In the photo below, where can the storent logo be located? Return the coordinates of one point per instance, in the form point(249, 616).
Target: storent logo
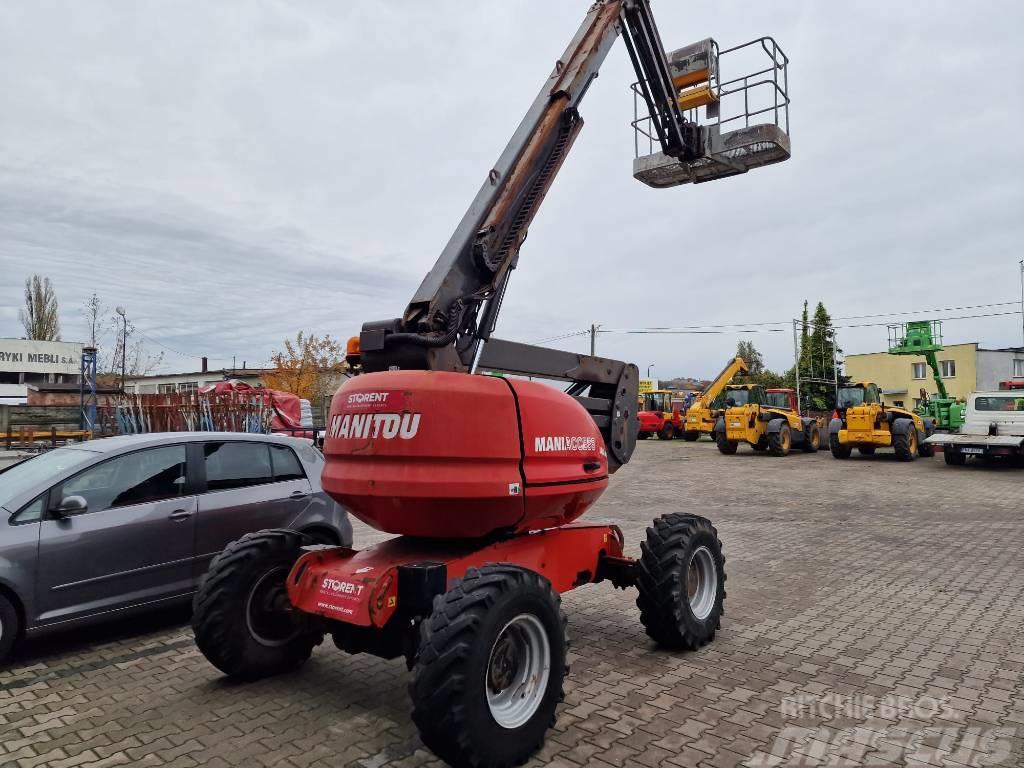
point(358, 398)
point(382, 425)
point(341, 587)
point(579, 443)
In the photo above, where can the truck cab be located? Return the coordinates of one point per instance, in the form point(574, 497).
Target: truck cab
point(750, 418)
point(993, 428)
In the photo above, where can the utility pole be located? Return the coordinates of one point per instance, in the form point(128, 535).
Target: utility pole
point(1022, 298)
point(124, 344)
point(593, 338)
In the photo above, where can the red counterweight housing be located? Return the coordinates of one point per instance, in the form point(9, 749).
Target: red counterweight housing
point(450, 455)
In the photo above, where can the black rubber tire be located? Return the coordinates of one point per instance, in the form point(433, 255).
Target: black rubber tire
point(905, 444)
point(839, 451)
point(642, 435)
point(449, 678)
point(726, 446)
point(667, 431)
point(691, 435)
point(812, 440)
point(866, 450)
point(780, 442)
point(662, 581)
point(954, 458)
point(10, 627)
point(220, 611)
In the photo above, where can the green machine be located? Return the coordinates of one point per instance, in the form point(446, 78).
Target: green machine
point(924, 338)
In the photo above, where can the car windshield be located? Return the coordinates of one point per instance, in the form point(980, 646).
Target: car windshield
point(1001, 403)
point(850, 397)
point(735, 397)
point(39, 471)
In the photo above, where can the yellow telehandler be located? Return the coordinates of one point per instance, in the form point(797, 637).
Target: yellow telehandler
point(748, 418)
point(863, 422)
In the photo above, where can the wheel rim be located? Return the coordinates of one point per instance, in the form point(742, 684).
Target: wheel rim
point(517, 671)
point(268, 612)
point(702, 583)
point(785, 439)
point(815, 439)
point(912, 442)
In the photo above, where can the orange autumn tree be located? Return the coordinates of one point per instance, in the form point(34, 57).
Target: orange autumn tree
point(308, 367)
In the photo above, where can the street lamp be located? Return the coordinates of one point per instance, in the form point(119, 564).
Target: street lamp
point(124, 343)
point(649, 370)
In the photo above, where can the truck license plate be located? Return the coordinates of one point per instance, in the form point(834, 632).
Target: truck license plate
point(972, 450)
point(734, 423)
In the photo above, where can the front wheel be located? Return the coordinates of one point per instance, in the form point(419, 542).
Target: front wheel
point(953, 457)
point(780, 442)
point(905, 444)
point(839, 451)
point(812, 440)
point(667, 432)
point(725, 445)
point(691, 435)
point(243, 621)
point(9, 627)
point(681, 581)
point(490, 667)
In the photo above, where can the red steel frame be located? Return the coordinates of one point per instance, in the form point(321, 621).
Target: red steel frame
point(360, 587)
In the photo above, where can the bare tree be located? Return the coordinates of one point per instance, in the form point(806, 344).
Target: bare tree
point(93, 311)
point(39, 317)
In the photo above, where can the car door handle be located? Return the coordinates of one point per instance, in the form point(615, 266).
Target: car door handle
point(179, 514)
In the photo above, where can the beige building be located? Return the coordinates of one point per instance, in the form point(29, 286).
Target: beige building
point(965, 368)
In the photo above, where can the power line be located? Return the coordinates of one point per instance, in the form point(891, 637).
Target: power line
point(748, 327)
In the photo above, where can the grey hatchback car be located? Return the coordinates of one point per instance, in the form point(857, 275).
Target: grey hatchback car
point(99, 529)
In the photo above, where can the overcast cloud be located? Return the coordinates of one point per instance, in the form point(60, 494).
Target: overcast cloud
point(234, 172)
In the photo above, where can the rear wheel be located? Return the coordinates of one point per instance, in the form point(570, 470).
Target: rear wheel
point(9, 627)
point(866, 450)
point(839, 451)
point(812, 439)
point(953, 457)
point(725, 445)
point(780, 442)
point(905, 444)
point(490, 667)
point(667, 431)
point(681, 581)
point(691, 435)
point(243, 621)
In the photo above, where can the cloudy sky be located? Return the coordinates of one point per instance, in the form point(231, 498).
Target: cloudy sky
point(234, 172)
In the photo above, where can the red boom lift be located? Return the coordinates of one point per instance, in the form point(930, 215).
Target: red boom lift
point(484, 477)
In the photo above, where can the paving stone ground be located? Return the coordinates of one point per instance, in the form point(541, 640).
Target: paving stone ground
point(875, 616)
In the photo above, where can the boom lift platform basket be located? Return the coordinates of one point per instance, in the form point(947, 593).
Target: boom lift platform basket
point(746, 118)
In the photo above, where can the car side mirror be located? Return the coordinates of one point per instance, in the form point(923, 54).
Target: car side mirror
point(70, 505)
